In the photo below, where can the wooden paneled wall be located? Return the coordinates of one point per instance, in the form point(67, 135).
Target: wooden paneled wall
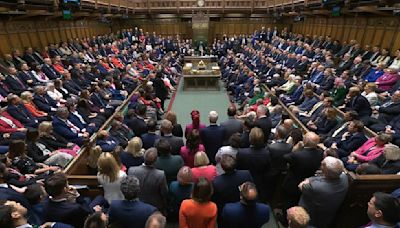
point(40, 33)
point(382, 31)
point(228, 26)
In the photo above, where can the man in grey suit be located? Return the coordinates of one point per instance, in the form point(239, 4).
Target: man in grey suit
point(323, 195)
point(175, 142)
point(232, 125)
point(153, 183)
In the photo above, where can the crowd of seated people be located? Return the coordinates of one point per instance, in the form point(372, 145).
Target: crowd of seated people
point(334, 91)
point(225, 173)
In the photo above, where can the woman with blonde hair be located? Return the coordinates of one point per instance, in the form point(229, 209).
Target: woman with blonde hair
point(177, 128)
point(94, 154)
point(389, 161)
point(370, 94)
point(27, 101)
point(133, 154)
point(53, 140)
point(110, 176)
point(202, 167)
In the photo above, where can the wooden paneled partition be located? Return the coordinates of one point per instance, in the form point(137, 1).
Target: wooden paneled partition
point(382, 31)
point(39, 33)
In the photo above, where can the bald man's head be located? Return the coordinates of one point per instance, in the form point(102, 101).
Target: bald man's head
point(311, 139)
point(248, 193)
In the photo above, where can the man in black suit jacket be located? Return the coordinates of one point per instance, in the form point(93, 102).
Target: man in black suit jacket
point(130, 212)
point(149, 139)
point(226, 185)
point(277, 150)
point(6, 192)
point(43, 101)
point(17, 110)
point(303, 164)
point(49, 70)
point(263, 121)
point(358, 103)
point(232, 125)
point(137, 123)
point(60, 208)
point(26, 76)
point(160, 89)
point(14, 84)
point(175, 142)
point(212, 136)
point(353, 139)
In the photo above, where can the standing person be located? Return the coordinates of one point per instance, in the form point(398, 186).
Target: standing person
point(160, 89)
point(153, 182)
point(110, 176)
point(257, 160)
point(212, 136)
point(247, 212)
point(193, 146)
point(263, 121)
point(323, 195)
point(130, 212)
point(195, 115)
point(179, 190)
point(232, 125)
point(177, 128)
point(199, 212)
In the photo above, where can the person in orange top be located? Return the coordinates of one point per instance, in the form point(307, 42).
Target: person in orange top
point(27, 100)
point(116, 62)
point(199, 212)
point(58, 66)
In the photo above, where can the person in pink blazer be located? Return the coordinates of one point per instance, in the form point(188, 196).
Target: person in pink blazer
point(388, 79)
point(195, 114)
point(370, 150)
point(192, 147)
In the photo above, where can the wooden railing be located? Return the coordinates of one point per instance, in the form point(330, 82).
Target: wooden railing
point(77, 170)
point(361, 187)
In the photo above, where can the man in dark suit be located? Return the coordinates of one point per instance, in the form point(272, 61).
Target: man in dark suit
point(17, 110)
point(232, 125)
point(130, 212)
point(43, 101)
point(212, 136)
point(137, 123)
point(70, 85)
point(303, 164)
point(68, 130)
point(175, 142)
point(277, 150)
point(345, 64)
point(14, 84)
point(323, 195)
point(358, 103)
point(49, 70)
point(64, 206)
point(153, 183)
point(387, 111)
point(247, 212)
point(160, 89)
point(353, 139)
point(226, 185)
point(150, 137)
point(263, 121)
point(26, 76)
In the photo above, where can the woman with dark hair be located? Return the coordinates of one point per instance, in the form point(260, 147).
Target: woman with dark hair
point(296, 139)
point(193, 145)
point(195, 115)
point(39, 152)
point(199, 212)
point(256, 159)
point(25, 164)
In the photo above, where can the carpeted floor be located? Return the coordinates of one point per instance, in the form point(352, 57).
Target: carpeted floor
point(183, 102)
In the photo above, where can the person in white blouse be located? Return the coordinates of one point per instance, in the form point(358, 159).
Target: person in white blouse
point(109, 176)
point(54, 93)
point(370, 94)
point(39, 74)
point(396, 60)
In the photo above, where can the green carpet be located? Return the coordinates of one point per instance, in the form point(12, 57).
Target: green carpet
point(202, 100)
